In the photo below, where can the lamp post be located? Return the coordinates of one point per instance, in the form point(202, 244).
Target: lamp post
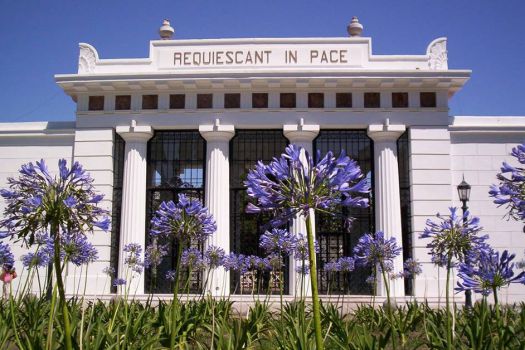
point(464, 195)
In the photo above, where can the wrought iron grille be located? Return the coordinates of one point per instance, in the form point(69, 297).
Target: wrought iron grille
point(119, 146)
point(176, 164)
point(334, 239)
point(403, 156)
point(246, 149)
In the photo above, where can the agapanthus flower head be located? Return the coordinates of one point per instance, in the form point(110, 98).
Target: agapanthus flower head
point(345, 264)
point(235, 262)
point(302, 269)
point(154, 254)
point(278, 241)
point(119, 282)
point(6, 256)
point(411, 268)
point(301, 247)
point(187, 220)
point(215, 256)
point(192, 259)
point(375, 250)
point(275, 262)
point(110, 271)
point(39, 258)
point(133, 257)
point(331, 267)
point(76, 248)
point(35, 199)
point(510, 192)
point(491, 272)
point(292, 184)
point(171, 275)
point(452, 236)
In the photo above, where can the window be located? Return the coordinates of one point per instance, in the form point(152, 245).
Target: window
point(204, 101)
point(343, 100)
point(175, 164)
point(403, 156)
point(372, 100)
point(315, 100)
point(246, 148)
point(177, 101)
point(96, 103)
point(150, 101)
point(123, 102)
point(118, 176)
point(259, 100)
point(334, 239)
point(232, 100)
point(287, 100)
point(400, 99)
point(427, 99)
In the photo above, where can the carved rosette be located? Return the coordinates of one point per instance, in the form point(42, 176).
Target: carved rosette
point(87, 59)
point(437, 54)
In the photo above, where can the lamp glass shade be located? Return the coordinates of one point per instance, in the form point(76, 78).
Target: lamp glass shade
point(464, 191)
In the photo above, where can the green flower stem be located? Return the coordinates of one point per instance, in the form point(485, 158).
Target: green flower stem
point(13, 319)
point(313, 278)
point(175, 297)
point(389, 305)
point(49, 341)
point(496, 304)
point(447, 297)
point(61, 292)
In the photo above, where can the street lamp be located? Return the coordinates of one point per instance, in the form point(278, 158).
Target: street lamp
point(464, 195)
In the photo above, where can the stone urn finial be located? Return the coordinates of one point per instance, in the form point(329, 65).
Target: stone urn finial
point(166, 31)
point(354, 28)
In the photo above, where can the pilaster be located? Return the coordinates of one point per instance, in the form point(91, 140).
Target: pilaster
point(133, 219)
point(217, 196)
point(301, 135)
point(386, 192)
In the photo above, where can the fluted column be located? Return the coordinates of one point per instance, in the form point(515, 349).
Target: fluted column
point(386, 192)
point(302, 136)
point(217, 196)
point(133, 217)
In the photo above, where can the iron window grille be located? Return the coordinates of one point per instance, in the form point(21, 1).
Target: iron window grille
point(175, 164)
point(246, 149)
point(119, 146)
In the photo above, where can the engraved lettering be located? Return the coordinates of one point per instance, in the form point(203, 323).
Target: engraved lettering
point(313, 54)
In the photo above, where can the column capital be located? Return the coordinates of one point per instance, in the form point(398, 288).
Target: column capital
point(297, 133)
point(217, 132)
point(134, 132)
point(385, 132)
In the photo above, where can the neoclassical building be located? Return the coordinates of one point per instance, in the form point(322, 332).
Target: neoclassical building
point(195, 115)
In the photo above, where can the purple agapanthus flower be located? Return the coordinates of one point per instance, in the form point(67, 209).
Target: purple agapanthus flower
point(154, 254)
point(289, 186)
point(278, 241)
point(452, 237)
point(376, 251)
point(77, 249)
point(235, 262)
point(511, 189)
point(110, 271)
point(6, 256)
point(491, 272)
point(301, 247)
point(192, 259)
point(331, 267)
point(214, 256)
point(35, 199)
point(187, 220)
point(302, 269)
point(411, 268)
point(39, 258)
point(133, 258)
point(345, 264)
point(119, 282)
point(171, 275)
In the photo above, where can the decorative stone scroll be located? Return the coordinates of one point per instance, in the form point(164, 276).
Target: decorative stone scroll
point(437, 53)
point(87, 59)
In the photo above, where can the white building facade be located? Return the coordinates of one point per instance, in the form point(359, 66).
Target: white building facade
point(195, 115)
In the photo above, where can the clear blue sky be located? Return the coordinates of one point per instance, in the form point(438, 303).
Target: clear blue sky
point(40, 38)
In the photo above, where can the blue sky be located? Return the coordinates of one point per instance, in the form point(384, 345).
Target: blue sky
point(40, 38)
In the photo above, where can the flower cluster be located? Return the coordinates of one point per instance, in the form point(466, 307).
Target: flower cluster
point(511, 189)
point(154, 255)
point(77, 249)
point(278, 241)
point(186, 221)
point(490, 273)
point(452, 236)
point(214, 256)
point(289, 186)
point(301, 247)
point(36, 199)
point(411, 268)
point(133, 257)
point(343, 264)
point(375, 250)
point(193, 260)
point(7, 258)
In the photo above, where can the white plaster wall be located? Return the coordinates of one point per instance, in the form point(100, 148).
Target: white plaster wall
point(478, 155)
point(21, 143)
